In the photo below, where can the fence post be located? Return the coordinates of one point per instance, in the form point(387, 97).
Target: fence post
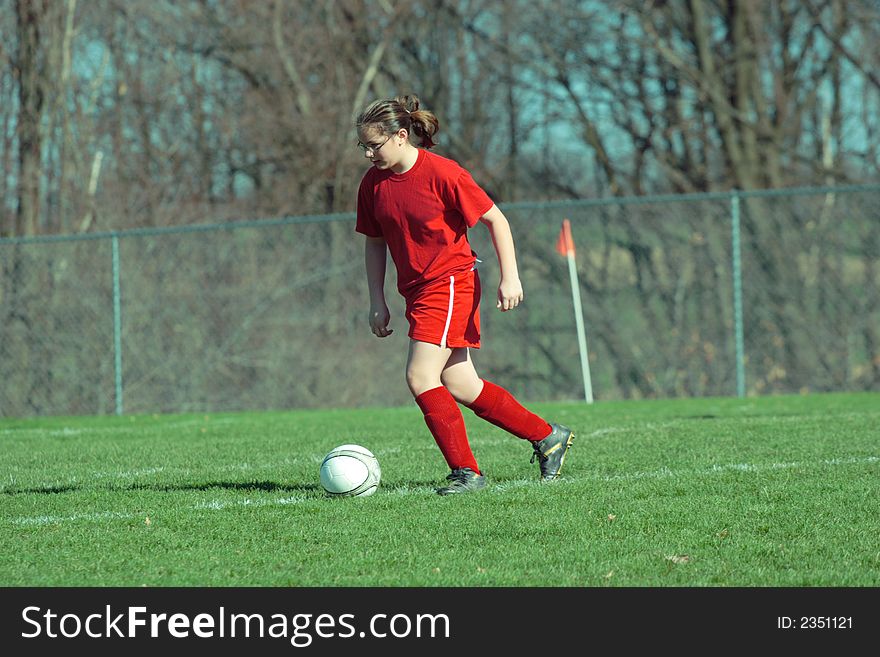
point(737, 296)
point(117, 324)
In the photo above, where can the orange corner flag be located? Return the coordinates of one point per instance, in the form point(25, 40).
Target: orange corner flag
point(565, 242)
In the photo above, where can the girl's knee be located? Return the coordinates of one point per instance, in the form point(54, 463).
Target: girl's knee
point(463, 389)
point(449, 383)
point(420, 381)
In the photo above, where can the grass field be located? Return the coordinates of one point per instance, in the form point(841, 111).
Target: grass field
point(780, 491)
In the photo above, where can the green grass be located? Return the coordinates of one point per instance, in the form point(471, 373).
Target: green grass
point(779, 491)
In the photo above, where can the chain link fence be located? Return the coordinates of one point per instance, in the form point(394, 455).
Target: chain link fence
point(700, 295)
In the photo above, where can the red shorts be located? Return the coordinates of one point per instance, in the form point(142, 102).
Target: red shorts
point(447, 312)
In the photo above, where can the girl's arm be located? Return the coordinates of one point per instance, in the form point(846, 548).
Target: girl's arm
point(375, 258)
point(510, 292)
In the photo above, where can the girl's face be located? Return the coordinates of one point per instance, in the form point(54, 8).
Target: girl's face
point(384, 151)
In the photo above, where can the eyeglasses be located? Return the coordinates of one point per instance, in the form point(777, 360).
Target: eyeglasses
point(373, 149)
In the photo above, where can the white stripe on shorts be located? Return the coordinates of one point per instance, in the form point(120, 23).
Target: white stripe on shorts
point(448, 312)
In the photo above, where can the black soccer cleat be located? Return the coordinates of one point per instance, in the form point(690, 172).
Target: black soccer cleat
point(462, 480)
point(551, 451)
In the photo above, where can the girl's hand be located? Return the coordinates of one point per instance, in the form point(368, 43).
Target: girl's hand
point(379, 318)
point(510, 294)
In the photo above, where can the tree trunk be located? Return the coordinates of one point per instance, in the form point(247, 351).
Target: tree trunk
point(31, 85)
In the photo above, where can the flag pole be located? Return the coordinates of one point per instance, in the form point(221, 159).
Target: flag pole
point(566, 245)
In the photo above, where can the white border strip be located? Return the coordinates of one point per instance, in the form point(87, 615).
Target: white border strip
point(448, 312)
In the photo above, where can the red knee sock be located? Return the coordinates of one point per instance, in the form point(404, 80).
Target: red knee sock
point(494, 404)
point(446, 424)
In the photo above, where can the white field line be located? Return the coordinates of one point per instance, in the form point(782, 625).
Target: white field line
point(240, 467)
point(63, 432)
point(41, 432)
point(666, 473)
point(11, 481)
point(661, 473)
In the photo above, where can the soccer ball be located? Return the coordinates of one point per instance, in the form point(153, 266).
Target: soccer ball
point(350, 471)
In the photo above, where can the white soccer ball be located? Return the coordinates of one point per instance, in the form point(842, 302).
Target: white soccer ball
point(350, 471)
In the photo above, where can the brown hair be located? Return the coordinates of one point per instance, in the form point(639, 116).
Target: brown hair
point(389, 116)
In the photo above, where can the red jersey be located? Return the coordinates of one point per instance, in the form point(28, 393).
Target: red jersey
point(423, 215)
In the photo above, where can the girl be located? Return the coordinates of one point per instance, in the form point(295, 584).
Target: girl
point(419, 206)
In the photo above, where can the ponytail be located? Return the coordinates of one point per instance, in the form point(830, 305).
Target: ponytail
point(423, 123)
point(401, 112)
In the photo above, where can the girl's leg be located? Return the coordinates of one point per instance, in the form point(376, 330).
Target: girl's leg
point(489, 401)
point(550, 442)
point(424, 367)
